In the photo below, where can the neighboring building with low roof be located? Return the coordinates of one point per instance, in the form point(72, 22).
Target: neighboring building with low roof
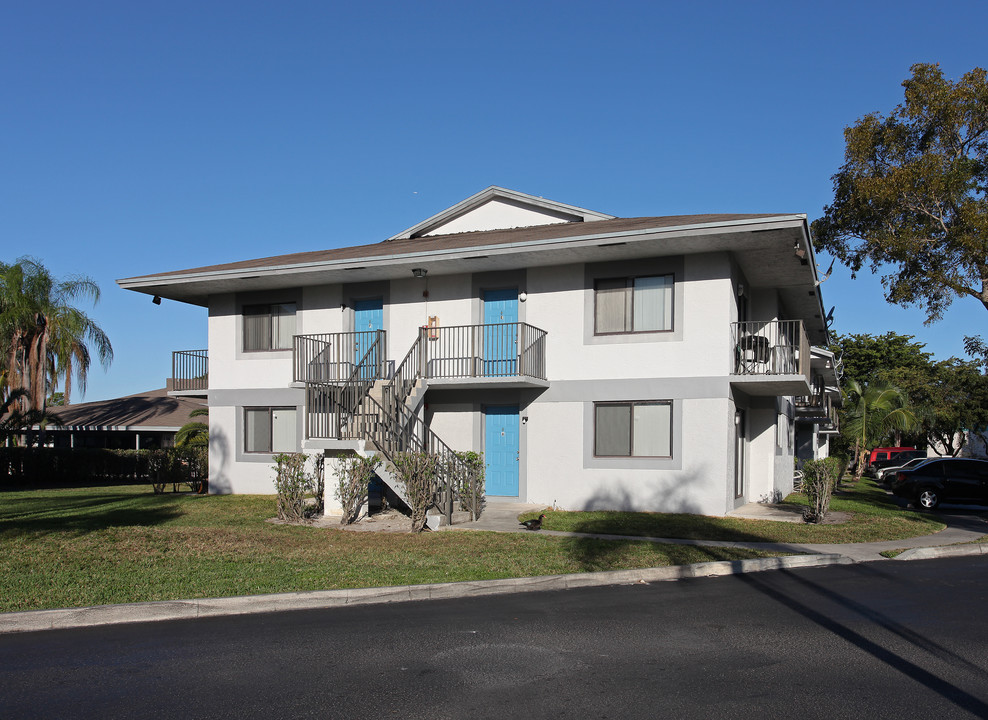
point(140, 421)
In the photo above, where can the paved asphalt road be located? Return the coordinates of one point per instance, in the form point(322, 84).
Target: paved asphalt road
point(875, 640)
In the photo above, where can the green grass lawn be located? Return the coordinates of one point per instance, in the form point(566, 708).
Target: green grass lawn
point(91, 546)
point(874, 516)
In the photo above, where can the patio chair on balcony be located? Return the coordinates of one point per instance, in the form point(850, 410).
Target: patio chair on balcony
point(753, 355)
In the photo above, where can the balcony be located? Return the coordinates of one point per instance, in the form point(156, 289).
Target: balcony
point(771, 358)
point(504, 354)
point(190, 373)
point(818, 409)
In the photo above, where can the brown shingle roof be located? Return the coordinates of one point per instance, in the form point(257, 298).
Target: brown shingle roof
point(470, 239)
point(148, 409)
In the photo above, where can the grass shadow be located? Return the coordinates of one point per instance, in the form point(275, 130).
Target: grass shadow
point(874, 516)
point(37, 512)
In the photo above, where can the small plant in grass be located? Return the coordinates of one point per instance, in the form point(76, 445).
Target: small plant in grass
point(295, 487)
point(419, 472)
point(819, 480)
point(353, 476)
point(471, 484)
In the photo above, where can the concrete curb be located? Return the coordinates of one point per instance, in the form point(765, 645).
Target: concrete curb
point(323, 599)
point(943, 551)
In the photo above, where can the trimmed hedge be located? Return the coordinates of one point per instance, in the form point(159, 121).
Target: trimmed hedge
point(44, 466)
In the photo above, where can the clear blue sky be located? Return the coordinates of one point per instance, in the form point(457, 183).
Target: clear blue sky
point(139, 137)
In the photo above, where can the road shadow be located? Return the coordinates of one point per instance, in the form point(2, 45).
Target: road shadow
point(943, 687)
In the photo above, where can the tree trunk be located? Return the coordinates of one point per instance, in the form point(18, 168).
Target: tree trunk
point(859, 471)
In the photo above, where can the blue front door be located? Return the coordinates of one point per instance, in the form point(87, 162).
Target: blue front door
point(501, 450)
point(500, 332)
point(368, 316)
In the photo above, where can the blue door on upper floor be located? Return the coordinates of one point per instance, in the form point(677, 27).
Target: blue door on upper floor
point(501, 450)
point(368, 316)
point(501, 332)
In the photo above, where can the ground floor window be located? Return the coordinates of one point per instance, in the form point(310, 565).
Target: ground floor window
point(633, 429)
point(270, 430)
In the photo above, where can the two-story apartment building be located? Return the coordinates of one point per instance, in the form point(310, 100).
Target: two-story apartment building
point(598, 362)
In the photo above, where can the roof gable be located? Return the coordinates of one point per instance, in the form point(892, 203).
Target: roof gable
point(498, 208)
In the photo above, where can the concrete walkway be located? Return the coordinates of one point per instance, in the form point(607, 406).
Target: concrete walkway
point(961, 528)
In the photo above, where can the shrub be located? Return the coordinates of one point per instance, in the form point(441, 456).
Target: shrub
point(820, 477)
point(295, 487)
point(176, 466)
point(353, 476)
point(472, 482)
point(419, 472)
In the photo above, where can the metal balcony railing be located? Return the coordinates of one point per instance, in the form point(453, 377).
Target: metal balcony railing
point(483, 351)
point(190, 370)
point(332, 357)
point(770, 347)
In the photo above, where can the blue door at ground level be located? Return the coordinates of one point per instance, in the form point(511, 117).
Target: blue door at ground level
point(500, 332)
point(368, 316)
point(501, 450)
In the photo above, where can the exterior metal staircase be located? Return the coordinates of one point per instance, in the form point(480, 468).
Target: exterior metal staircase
point(386, 417)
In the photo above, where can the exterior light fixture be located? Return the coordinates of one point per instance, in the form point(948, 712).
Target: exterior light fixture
point(522, 296)
point(156, 300)
point(419, 272)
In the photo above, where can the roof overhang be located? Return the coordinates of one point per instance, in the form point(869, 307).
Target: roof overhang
point(772, 251)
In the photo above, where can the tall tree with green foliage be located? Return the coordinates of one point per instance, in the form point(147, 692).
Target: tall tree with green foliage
point(44, 338)
point(954, 401)
point(947, 397)
point(911, 198)
point(890, 357)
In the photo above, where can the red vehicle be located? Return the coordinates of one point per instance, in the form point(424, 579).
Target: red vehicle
point(884, 456)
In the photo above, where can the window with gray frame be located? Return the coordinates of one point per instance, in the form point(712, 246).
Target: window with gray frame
point(633, 429)
point(633, 304)
point(270, 430)
point(269, 327)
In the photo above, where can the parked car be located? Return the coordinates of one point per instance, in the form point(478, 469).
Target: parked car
point(956, 480)
point(883, 457)
point(885, 475)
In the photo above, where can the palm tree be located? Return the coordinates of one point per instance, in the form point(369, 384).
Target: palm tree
point(14, 421)
point(193, 434)
point(872, 413)
point(43, 335)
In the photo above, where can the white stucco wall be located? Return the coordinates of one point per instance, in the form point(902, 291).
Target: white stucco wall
point(498, 214)
point(689, 366)
point(562, 473)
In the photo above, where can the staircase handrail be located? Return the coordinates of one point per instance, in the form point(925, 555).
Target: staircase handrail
point(399, 387)
point(358, 385)
point(404, 430)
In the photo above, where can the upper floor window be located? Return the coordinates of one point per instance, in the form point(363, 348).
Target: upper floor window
point(269, 327)
point(633, 304)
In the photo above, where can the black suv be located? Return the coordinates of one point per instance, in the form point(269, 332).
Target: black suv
point(956, 480)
